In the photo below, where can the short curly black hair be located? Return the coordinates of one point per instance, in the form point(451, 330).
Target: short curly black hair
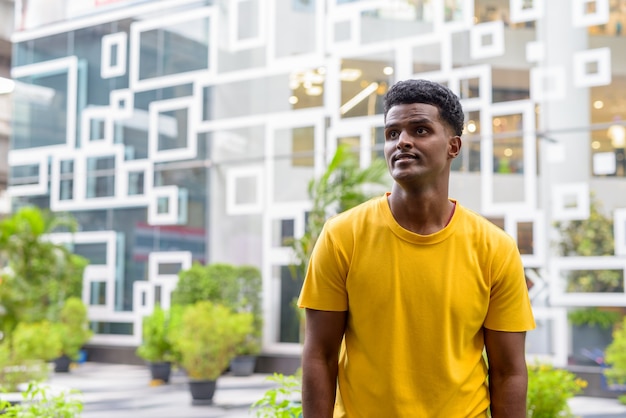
point(427, 92)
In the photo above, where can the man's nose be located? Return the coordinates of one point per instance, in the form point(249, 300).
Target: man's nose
point(404, 141)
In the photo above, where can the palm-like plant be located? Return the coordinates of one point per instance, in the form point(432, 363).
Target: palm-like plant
point(39, 275)
point(342, 186)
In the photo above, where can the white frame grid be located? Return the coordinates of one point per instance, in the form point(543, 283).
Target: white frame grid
point(328, 53)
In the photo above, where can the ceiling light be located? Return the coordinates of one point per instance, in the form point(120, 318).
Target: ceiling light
point(350, 74)
point(471, 126)
point(314, 91)
point(508, 152)
point(293, 100)
point(358, 98)
point(598, 104)
point(388, 70)
point(595, 145)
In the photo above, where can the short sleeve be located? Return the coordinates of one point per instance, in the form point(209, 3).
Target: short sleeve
point(324, 286)
point(509, 303)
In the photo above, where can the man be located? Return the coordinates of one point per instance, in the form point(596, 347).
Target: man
point(404, 292)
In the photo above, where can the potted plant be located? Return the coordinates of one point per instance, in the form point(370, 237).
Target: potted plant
point(207, 340)
point(235, 287)
point(24, 356)
point(156, 347)
point(73, 331)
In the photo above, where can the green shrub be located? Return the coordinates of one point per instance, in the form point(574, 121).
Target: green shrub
point(207, 338)
point(41, 401)
point(615, 356)
point(283, 401)
point(155, 344)
point(594, 317)
point(36, 341)
point(549, 389)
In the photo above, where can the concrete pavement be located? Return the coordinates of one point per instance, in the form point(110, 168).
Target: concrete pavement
point(124, 391)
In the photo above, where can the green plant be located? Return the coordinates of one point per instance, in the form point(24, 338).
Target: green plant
point(236, 287)
point(207, 338)
point(36, 341)
point(283, 401)
point(15, 371)
point(342, 186)
point(594, 317)
point(73, 327)
point(41, 274)
point(42, 401)
point(615, 356)
point(155, 344)
point(590, 237)
point(549, 389)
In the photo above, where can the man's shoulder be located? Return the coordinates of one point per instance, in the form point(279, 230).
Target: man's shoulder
point(359, 212)
point(480, 224)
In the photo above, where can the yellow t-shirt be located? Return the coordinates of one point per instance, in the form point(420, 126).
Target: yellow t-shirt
point(417, 305)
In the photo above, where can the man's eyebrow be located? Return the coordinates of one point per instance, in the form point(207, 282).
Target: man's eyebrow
point(420, 121)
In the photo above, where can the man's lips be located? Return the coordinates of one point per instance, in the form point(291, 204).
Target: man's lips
point(405, 157)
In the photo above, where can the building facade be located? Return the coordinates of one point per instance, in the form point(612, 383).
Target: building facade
point(178, 131)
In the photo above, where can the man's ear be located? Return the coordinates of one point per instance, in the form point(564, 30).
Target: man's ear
point(454, 146)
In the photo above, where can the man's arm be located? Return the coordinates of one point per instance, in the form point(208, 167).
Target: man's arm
point(508, 375)
point(322, 339)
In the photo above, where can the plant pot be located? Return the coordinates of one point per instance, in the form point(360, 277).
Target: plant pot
point(161, 371)
point(202, 391)
point(243, 365)
point(62, 364)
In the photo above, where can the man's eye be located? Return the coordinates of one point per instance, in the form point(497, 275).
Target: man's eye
point(392, 135)
point(421, 131)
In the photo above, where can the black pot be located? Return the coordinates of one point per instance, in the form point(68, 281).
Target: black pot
point(62, 364)
point(161, 371)
point(202, 391)
point(243, 365)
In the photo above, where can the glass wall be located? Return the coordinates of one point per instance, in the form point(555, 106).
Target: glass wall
point(193, 138)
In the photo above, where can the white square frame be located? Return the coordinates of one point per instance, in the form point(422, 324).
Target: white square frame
point(559, 340)
point(581, 19)
point(177, 205)
point(27, 157)
point(236, 44)
point(496, 48)
point(535, 51)
point(528, 204)
point(108, 69)
point(513, 218)
point(520, 15)
point(558, 295)
point(581, 193)
point(602, 58)
point(233, 175)
point(541, 77)
point(138, 27)
point(155, 109)
point(67, 65)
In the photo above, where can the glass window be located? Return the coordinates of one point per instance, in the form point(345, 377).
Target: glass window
point(293, 165)
point(100, 177)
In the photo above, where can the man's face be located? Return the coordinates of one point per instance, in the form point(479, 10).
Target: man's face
point(418, 145)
